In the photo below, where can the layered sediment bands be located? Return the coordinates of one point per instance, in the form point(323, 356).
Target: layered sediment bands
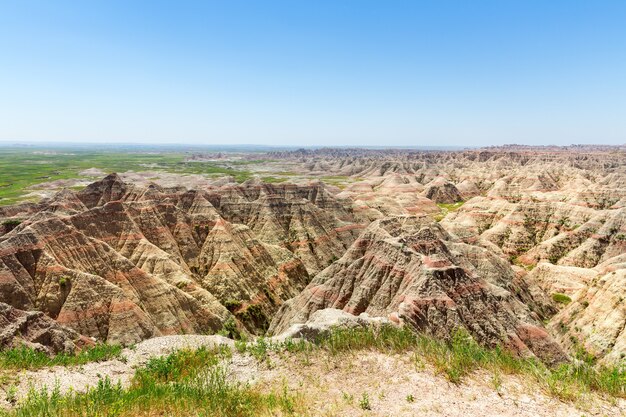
point(126, 260)
point(85, 284)
point(122, 263)
point(410, 268)
point(595, 320)
point(36, 330)
point(392, 195)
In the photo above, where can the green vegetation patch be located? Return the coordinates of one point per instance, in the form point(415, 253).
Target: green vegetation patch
point(447, 208)
point(184, 383)
point(21, 169)
point(450, 206)
point(459, 357)
point(339, 181)
point(12, 222)
point(28, 358)
point(561, 298)
point(272, 180)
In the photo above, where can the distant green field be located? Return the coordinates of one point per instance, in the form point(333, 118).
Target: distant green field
point(20, 168)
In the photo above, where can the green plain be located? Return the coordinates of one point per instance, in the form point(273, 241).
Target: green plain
point(22, 168)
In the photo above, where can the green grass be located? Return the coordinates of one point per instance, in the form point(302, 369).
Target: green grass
point(12, 222)
point(185, 383)
point(273, 180)
point(447, 208)
point(561, 298)
point(21, 169)
point(27, 358)
point(459, 357)
point(339, 181)
point(450, 206)
point(195, 382)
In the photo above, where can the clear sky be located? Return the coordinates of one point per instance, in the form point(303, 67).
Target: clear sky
point(300, 72)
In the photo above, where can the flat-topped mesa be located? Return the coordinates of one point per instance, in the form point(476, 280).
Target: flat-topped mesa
point(409, 268)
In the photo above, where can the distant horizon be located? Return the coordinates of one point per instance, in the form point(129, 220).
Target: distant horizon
point(368, 73)
point(264, 146)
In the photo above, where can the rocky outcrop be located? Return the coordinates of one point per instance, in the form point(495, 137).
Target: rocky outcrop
point(322, 322)
point(442, 191)
point(595, 321)
point(36, 330)
point(408, 268)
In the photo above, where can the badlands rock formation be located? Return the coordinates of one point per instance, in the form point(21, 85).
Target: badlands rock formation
point(559, 210)
point(411, 269)
point(36, 330)
point(122, 263)
point(495, 240)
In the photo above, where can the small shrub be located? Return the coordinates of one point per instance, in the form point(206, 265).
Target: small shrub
point(410, 398)
point(232, 305)
point(230, 329)
point(254, 317)
point(348, 398)
point(259, 349)
point(12, 223)
point(364, 402)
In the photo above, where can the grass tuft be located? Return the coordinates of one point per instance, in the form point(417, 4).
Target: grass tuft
point(28, 358)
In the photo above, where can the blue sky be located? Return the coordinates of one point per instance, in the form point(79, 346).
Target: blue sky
point(316, 72)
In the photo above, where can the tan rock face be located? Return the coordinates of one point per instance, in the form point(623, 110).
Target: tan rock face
point(596, 318)
point(442, 191)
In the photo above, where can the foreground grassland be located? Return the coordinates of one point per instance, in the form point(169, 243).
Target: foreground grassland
point(461, 356)
point(181, 384)
point(20, 168)
point(25, 358)
point(197, 382)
